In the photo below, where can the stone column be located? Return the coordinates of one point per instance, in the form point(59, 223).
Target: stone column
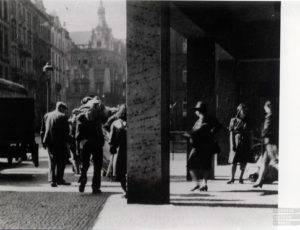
point(200, 78)
point(148, 102)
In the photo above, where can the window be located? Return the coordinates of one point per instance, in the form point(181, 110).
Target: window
point(6, 72)
point(29, 41)
point(184, 77)
point(1, 41)
point(13, 30)
point(99, 87)
point(5, 16)
point(99, 74)
point(184, 46)
point(98, 44)
point(184, 108)
point(1, 10)
point(76, 88)
point(29, 20)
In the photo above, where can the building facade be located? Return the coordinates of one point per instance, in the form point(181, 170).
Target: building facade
point(60, 59)
point(26, 46)
point(98, 65)
point(29, 38)
point(4, 39)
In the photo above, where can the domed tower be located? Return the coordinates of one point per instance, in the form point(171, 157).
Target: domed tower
point(102, 35)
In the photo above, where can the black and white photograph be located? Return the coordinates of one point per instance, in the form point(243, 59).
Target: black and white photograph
point(149, 115)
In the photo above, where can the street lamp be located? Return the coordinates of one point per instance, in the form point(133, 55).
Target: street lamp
point(46, 69)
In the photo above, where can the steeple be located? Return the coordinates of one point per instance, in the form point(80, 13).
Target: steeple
point(101, 15)
point(101, 35)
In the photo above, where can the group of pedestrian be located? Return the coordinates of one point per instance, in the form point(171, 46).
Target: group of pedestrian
point(204, 145)
point(81, 138)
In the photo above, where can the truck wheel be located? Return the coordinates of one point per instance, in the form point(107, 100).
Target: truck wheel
point(9, 161)
point(35, 155)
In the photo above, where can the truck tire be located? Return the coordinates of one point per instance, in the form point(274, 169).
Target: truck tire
point(9, 160)
point(35, 155)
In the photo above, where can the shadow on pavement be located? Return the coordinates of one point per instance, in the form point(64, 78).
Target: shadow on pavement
point(191, 195)
point(226, 205)
point(199, 200)
point(264, 192)
point(16, 178)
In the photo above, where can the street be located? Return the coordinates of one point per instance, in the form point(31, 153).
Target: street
point(29, 202)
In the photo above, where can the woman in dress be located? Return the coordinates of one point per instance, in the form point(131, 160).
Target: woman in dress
point(202, 139)
point(240, 142)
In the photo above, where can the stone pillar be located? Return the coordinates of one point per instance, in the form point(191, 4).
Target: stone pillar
point(200, 78)
point(148, 102)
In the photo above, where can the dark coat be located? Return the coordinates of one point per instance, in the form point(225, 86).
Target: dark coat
point(55, 130)
point(118, 143)
point(89, 125)
point(241, 131)
point(202, 136)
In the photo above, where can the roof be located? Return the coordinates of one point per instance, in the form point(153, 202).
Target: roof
point(11, 86)
point(81, 37)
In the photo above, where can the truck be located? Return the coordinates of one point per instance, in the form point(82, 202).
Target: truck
point(17, 128)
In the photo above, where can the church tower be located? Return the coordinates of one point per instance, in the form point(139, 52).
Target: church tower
point(102, 35)
point(101, 15)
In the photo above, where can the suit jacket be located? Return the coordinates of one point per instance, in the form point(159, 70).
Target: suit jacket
point(55, 130)
point(270, 129)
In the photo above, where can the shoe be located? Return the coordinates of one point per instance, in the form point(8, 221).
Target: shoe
point(230, 181)
point(97, 191)
point(257, 185)
point(82, 182)
point(241, 181)
point(81, 187)
point(63, 183)
point(195, 188)
point(53, 184)
point(204, 188)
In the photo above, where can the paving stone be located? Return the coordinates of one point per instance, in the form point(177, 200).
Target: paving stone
point(47, 210)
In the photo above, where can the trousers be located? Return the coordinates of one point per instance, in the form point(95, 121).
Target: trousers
point(95, 151)
point(57, 164)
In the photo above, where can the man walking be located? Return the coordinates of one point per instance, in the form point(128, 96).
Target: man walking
point(270, 137)
point(90, 137)
point(55, 136)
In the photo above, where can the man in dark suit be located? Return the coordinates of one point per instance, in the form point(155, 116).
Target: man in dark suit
point(55, 136)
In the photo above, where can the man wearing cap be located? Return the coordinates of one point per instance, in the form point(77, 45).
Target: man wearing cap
point(55, 136)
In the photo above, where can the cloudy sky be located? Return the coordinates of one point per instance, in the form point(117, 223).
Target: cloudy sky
point(81, 15)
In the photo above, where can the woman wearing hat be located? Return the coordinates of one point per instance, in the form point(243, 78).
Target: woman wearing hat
point(240, 142)
point(202, 139)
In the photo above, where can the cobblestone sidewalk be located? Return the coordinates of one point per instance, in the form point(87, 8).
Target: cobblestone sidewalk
point(47, 210)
